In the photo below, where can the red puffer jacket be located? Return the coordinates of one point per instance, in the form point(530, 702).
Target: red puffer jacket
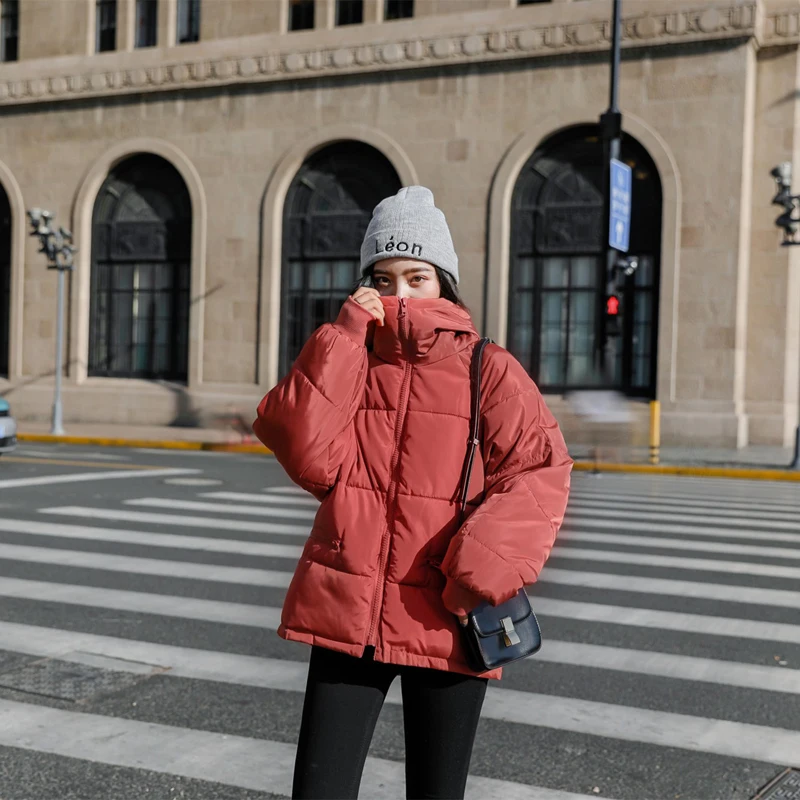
point(377, 431)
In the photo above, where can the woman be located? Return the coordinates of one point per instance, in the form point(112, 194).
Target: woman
point(373, 420)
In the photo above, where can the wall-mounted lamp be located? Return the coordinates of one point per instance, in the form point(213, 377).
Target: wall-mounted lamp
point(789, 221)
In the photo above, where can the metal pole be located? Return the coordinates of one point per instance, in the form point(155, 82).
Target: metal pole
point(616, 55)
point(57, 428)
point(57, 246)
point(611, 132)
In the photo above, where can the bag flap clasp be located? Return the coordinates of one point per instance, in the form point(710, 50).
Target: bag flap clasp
point(510, 636)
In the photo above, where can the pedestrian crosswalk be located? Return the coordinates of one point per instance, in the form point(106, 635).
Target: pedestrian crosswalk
point(669, 610)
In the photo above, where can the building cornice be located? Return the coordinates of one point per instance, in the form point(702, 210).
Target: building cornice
point(462, 39)
point(781, 25)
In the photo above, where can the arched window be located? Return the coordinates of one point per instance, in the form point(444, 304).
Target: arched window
point(327, 210)
point(141, 251)
point(5, 280)
point(558, 265)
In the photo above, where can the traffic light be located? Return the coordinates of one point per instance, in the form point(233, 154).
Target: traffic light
point(613, 314)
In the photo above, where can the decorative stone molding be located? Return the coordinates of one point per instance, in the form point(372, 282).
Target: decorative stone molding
point(781, 27)
point(31, 82)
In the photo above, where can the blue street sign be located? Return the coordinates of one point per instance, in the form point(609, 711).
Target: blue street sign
point(619, 229)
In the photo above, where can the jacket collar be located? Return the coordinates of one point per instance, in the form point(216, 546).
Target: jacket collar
point(422, 330)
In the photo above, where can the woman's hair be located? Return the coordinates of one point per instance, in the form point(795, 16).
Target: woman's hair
point(448, 289)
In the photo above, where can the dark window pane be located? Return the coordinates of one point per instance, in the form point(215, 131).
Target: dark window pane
point(531, 2)
point(9, 29)
point(106, 25)
point(188, 21)
point(584, 271)
point(146, 23)
point(139, 290)
point(555, 272)
point(301, 15)
point(398, 9)
point(349, 12)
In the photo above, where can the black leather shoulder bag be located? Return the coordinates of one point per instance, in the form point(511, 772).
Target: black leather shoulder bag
point(494, 635)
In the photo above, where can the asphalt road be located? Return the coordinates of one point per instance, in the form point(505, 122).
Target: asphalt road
point(140, 589)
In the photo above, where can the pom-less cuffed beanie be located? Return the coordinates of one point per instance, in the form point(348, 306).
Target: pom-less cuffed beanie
point(408, 225)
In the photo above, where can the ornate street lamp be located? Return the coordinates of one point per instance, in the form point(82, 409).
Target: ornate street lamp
point(57, 246)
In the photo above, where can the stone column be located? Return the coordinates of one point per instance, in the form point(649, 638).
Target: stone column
point(773, 344)
point(373, 10)
point(712, 131)
point(126, 24)
point(325, 14)
point(167, 23)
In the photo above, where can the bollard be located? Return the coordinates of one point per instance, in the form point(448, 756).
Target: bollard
point(796, 461)
point(655, 431)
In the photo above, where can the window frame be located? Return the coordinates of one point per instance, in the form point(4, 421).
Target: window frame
point(6, 223)
point(141, 227)
point(533, 240)
point(343, 180)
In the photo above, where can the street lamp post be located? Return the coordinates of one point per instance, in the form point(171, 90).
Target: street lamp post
point(789, 223)
point(57, 246)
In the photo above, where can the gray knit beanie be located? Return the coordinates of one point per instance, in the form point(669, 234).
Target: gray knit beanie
point(408, 225)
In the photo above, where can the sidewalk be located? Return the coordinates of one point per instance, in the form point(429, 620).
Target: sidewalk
point(754, 456)
point(226, 439)
point(755, 463)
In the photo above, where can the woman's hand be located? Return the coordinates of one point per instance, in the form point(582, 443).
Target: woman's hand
point(371, 300)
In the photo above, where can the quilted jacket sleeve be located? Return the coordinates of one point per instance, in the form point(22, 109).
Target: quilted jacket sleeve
point(504, 544)
point(307, 419)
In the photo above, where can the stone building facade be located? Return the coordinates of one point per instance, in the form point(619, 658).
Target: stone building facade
point(217, 169)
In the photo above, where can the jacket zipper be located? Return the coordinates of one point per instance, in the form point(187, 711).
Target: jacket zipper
point(391, 494)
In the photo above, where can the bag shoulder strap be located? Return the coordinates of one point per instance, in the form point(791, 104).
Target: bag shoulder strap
point(474, 423)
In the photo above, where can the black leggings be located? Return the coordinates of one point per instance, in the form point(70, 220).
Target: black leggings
point(344, 696)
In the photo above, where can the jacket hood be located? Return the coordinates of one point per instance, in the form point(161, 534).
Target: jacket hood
point(422, 330)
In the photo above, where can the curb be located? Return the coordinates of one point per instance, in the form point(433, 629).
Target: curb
point(741, 473)
point(152, 444)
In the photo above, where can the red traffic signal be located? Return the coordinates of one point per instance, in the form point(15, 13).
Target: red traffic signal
point(612, 306)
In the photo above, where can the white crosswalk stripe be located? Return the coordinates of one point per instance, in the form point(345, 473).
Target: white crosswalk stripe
point(722, 543)
point(145, 566)
point(183, 521)
point(605, 508)
point(702, 564)
point(646, 516)
point(284, 499)
point(588, 521)
point(265, 617)
point(233, 760)
point(221, 508)
point(123, 536)
point(656, 542)
point(271, 673)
